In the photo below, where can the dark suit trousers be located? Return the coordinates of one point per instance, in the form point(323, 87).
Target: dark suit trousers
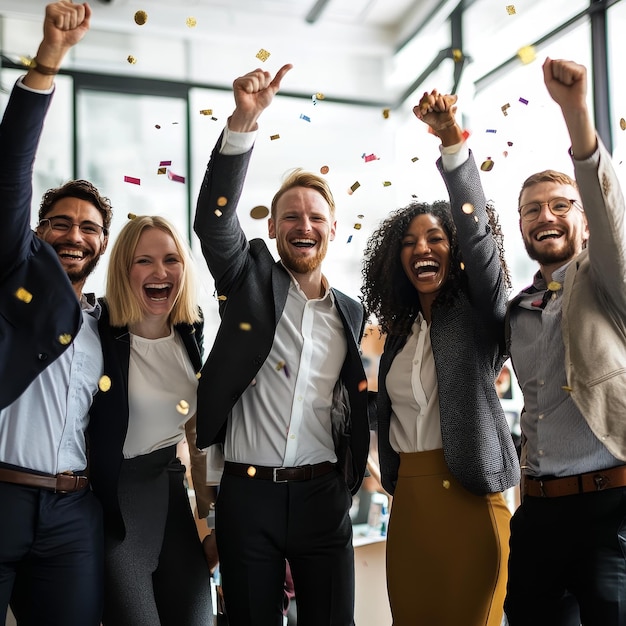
point(567, 563)
point(259, 524)
point(51, 556)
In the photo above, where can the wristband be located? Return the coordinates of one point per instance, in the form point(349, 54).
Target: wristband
point(42, 69)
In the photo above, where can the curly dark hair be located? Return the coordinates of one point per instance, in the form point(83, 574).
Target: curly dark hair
point(82, 189)
point(387, 292)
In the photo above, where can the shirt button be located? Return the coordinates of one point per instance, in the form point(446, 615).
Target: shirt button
point(540, 416)
point(292, 436)
point(42, 356)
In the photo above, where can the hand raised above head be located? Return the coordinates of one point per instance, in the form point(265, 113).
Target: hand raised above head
point(65, 24)
point(253, 93)
point(438, 111)
point(566, 82)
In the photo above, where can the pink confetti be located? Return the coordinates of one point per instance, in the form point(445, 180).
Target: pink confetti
point(132, 179)
point(175, 177)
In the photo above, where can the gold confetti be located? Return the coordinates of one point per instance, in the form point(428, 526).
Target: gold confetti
point(527, 54)
point(273, 137)
point(218, 213)
point(161, 170)
point(462, 266)
point(457, 55)
point(222, 298)
point(354, 187)
point(386, 183)
point(446, 484)
point(141, 17)
point(487, 165)
point(199, 375)
point(357, 226)
point(362, 385)
point(24, 295)
point(263, 55)
point(319, 96)
point(468, 208)
point(622, 124)
point(554, 285)
point(104, 384)
point(510, 9)
point(280, 365)
point(65, 339)
point(132, 216)
point(324, 169)
point(259, 212)
point(505, 107)
point(386, 113)
point(245, 326)
point(251, 471)
point(415, 159)
point(131, 59)
point(191, 22)
point(360, 216)
point(566, 388)
point(183, 407)
point(222, 201)
point(206, 111)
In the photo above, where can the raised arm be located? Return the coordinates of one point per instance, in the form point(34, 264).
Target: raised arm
point(224, 245)
point(479, 249)
point(65, 24)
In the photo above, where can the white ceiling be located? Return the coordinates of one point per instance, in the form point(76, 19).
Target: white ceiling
point(352, 43)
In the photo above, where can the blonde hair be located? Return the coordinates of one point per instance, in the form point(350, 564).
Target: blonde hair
point(301, 178)
point(124, 307)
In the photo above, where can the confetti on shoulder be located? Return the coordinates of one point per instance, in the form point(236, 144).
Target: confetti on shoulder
point(24, 295)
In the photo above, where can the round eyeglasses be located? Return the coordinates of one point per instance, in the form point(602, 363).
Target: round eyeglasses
point(558, 206)
point(60, 224)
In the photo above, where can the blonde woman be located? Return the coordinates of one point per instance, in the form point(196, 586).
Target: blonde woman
point(151, 333)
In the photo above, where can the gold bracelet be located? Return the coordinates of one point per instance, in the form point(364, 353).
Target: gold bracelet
point(42, 69)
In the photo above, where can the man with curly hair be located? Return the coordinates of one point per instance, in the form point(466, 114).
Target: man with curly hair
point(51, 361)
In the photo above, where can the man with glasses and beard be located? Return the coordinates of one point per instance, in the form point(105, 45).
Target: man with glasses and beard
point(283, 388)
point(51, 361)
point(568, 349)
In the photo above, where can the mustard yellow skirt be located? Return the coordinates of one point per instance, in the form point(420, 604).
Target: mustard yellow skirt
point(447, 549)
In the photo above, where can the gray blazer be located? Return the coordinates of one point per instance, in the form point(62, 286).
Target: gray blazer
point(467, 343)
point(256, 287)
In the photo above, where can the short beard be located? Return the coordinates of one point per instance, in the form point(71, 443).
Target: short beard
point(301, 265)
point(80, 276)
point(569, 251)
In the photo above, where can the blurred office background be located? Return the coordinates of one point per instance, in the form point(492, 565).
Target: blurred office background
point(132, 97)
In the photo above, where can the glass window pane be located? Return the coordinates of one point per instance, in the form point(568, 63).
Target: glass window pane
point(121, 135)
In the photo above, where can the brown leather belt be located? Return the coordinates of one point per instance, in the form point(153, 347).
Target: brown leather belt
point(279, 474)
point(571, 485)
point(61, 483)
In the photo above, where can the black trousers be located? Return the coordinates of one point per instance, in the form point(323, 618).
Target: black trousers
point(259, 524)
point(156, 575)
point(51, 556)
point(567, 564)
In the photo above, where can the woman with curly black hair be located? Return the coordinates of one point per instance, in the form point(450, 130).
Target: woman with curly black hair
point(435, 278)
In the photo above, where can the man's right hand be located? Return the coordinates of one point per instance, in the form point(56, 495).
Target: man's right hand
point(65, 24)
point(254, 92)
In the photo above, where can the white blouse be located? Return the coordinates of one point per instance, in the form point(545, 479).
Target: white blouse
point(414, 393)
point(162, 387)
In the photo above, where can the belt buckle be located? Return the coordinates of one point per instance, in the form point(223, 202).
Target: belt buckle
point(275, 471)
point(76, 478)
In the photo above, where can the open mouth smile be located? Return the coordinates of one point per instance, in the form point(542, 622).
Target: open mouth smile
point(303, 243)
point(426, 269)
point(158, 292)
point(548, 234)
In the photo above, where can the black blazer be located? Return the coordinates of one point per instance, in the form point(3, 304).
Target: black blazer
point(30, 331)
point(256, 287)
point(108, 422)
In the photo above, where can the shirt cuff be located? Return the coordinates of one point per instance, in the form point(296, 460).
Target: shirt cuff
point(454, 156)
point(234, 143)
point(20, 84)
point(590, 161)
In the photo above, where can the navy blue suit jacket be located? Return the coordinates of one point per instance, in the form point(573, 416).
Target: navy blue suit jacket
point(256, 287)
point(38, 305)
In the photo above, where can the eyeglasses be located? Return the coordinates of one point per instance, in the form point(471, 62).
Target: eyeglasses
point(61, 224)
point(558, 207)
